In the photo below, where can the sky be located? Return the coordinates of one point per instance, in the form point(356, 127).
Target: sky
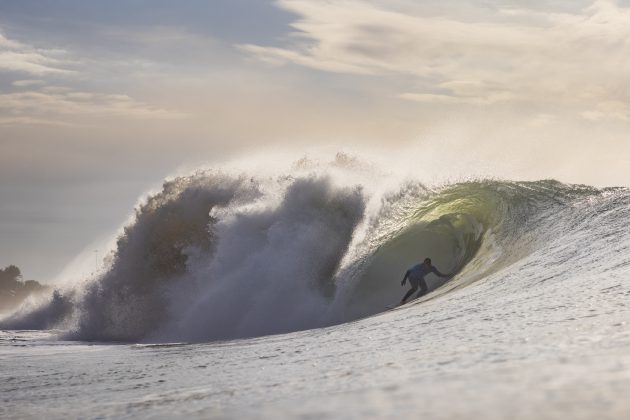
point(100, 101)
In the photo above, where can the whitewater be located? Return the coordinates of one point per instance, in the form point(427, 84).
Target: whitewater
point(234, 292)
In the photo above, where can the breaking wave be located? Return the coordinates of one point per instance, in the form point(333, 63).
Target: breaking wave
point(220, 255)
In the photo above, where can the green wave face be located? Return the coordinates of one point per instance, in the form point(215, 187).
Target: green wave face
point(470, 229)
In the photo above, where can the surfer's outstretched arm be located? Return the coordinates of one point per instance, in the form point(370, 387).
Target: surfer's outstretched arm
point(437, 273)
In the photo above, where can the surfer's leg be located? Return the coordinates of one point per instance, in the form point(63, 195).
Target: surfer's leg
point(409, 293)
point(423, 288)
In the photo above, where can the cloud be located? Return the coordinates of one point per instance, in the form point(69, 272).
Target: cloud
point(499, 54)
point(19, 57)
point(615, 110)
point(29, 121)
point(28, 82)
point(37, 102)
point(58, 105)
point(9, 44)
point(463, 92)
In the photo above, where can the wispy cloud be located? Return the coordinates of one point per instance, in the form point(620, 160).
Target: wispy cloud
point(506, 54)
point(55, 104)
point(37, 101)
point(19, 57)
point(615, 110)
point(28, 82)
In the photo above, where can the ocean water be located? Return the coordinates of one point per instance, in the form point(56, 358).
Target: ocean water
point(238, 295)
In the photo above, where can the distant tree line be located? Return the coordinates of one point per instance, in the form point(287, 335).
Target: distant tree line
point(13, 289)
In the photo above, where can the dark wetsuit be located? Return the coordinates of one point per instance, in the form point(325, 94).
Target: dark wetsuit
point(415, 275)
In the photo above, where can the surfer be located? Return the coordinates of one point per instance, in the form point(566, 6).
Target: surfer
point(416, 278)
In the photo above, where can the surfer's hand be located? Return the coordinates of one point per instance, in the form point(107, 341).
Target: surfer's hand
point(402, 283)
